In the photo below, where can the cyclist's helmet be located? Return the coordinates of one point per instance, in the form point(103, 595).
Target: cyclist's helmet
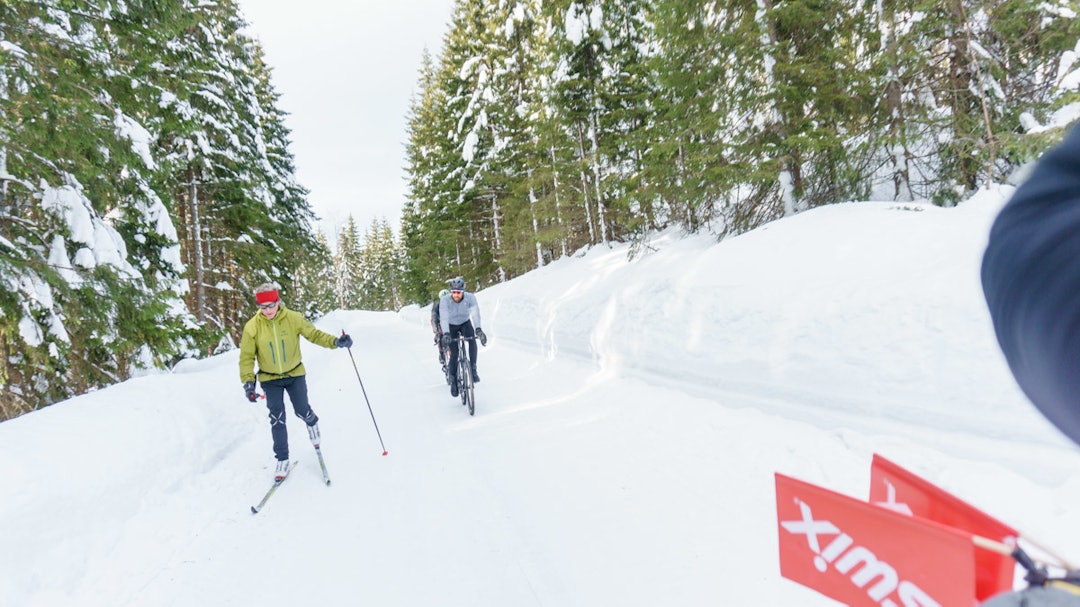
point(457, 284)
point(444, 293)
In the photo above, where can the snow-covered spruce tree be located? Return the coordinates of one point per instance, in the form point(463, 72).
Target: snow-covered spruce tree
point(959, 78)
point(960, 88)
point(693, 157)
point(628, 88)
point(423, 157)
point(600, 90)
point(348, 267)
point(542, 131)
point(1021, 48)
point(465, 73)
point(243, 219)
point(812, 106)
point(381, 265)
point(446, 226)
point(473, 152)
point(429, 229)
point(289, 215)
point(899, 120)
point(439, 223)
point(312, 287)
point(136, 34)
point(551, 189)
point(512, 103)
point(88, 252)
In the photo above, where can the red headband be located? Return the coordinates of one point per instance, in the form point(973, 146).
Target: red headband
point(266, 297)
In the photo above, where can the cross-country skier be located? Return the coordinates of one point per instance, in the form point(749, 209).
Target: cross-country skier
point(272, 339)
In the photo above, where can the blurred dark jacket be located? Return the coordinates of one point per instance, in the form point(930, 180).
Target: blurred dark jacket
point(1031, 278)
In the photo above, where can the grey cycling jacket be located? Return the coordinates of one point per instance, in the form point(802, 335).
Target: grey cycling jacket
point(456, 313)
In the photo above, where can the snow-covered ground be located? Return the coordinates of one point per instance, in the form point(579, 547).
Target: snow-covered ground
point(630, 417)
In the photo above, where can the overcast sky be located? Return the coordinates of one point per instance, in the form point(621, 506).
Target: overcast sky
point(346, 70)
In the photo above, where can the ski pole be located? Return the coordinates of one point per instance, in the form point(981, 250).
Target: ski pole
point(365, 397)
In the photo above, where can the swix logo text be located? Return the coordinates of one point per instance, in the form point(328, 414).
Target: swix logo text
point(878, 578)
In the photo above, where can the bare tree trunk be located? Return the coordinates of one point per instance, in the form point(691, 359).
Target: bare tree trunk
point(498, 236)
point(959, 79)
point(786, 177)
point(898, 153)
point(3, 142)
point(3, 171)
point(601, 220)
point(680, 172)
point(558, 204)
point(535, 224)
point(585, 185)
point(196, 231)
point(991, 143)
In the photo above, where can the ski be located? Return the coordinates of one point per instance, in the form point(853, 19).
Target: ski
point(322, 465)
point(273, 488)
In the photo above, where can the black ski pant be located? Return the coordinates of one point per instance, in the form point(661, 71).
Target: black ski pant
point(275, 401)
point(438, 343)
point(465, 329)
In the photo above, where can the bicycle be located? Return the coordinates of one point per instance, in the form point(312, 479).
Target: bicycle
point(464, 374)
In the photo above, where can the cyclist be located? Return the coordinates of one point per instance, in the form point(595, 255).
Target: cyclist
point(456, 314)
point(436, 328)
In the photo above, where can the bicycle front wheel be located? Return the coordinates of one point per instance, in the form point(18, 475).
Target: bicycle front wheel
point(462, 375)
point(469, 393)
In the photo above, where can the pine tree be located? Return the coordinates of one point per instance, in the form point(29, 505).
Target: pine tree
point(512, 98)
point(691, 155)
point(547, 127)
point(1018, 47)
point(452, 221)
point(312, 287)
point(348, 268)
point(465, 73)
point(958, 77)
point(381, 266)
point(244, 221)
point(93, 243)
point(428, 232)
point(140, 142)
point(557, 225)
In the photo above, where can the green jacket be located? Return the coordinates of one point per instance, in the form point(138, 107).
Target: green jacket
point(275, 345)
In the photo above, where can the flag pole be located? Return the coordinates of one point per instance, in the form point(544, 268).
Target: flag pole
point(1018, 553)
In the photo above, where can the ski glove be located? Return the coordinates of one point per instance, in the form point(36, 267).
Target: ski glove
point(446, 340)
point(438, 339)
point(344, 341)
point(249, 391)
point(480, 335)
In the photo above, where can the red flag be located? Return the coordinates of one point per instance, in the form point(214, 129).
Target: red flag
point(898, 489)
point(864, 555)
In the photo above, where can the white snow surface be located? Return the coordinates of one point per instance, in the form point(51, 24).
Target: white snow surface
point(630, 418)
